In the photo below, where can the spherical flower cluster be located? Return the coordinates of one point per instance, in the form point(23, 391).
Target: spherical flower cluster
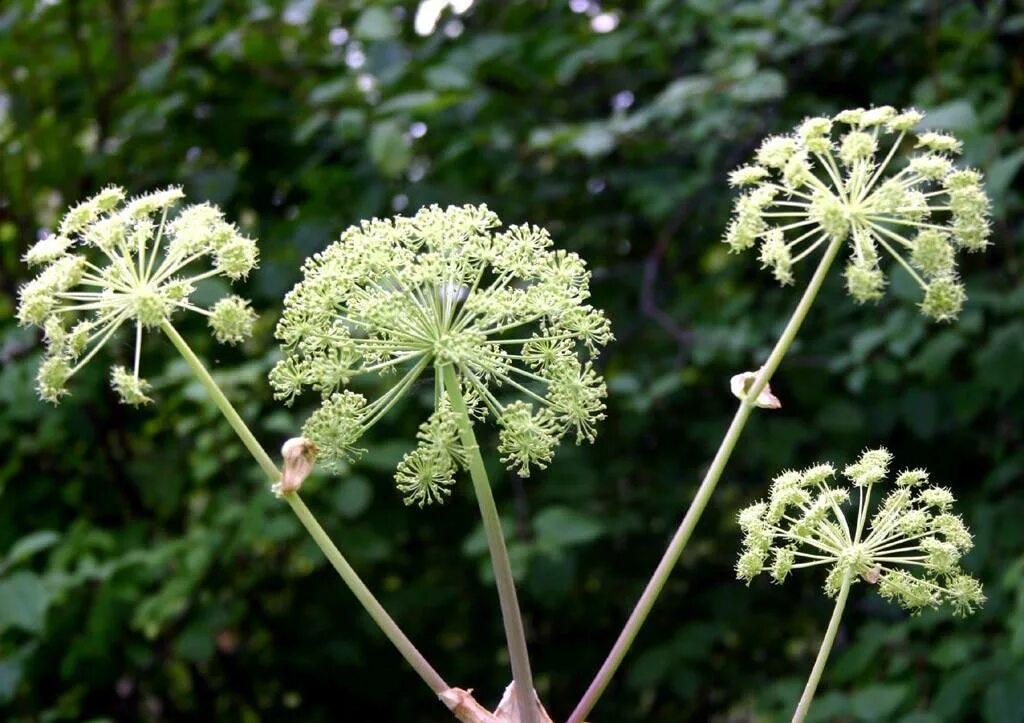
point(401, 297)
point(114, 262)
point(830, 182)
point(910, 548)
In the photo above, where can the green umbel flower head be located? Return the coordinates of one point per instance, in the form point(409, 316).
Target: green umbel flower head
point(401, 298)
point(114, 263)
point(836, 179)
point(910, 547)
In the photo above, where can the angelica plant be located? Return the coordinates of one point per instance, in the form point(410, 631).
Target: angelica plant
point(500, 321)
point(862, 180)
point(116, 263)
point(812, 188)
point(910, 546)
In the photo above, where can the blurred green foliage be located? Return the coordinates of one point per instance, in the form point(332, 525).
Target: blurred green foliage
point(147, 573)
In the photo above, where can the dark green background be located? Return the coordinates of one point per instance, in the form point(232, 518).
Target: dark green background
point(175, 587)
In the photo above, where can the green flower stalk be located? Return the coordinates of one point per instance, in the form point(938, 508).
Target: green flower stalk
point(499, 319)
point(833, 183)
point(834, 179)
point(116, 263)
point(910, 546)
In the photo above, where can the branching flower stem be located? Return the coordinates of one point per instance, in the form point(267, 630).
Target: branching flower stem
point(514, 632)
point(704, 492)
point(372, 606)
point(823, 651)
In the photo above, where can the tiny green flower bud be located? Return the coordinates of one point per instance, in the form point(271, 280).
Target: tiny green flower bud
point(865, 282)
point(782, 565)
point(193, 229)
point(931, 166)
point(776, 256)
point(525, 439)
point(236, 257)
point(872, 466)
point(933, 253)
point(941, 557)
point(912, 478)
point(818, 475)
point(336, 427)
point(904, 121)
point(813, 129)
point(47, 250)
point(913, 522)
point(943, 298)
point(776, 150)
point(857, 146)
point(877, 116)
point(750, 564)
point(965, 595)
point(939, 142)
point(130, 388)
point(747, 175)
point(797, 171)
point(850, 117)
point(750, 517)
point(953, 529)
point(830, 213)
point(52, 376)
point(938, 497)
point(232, 320)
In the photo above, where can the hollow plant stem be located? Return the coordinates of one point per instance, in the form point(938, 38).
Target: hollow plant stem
point(515, 635)
point(826, 647)
point(372, 606)
point(704, 492)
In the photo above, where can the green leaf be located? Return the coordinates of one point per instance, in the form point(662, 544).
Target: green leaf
point(564, 526)
point(24, 600)
point(28, 546)
point(376, 23)
point(389, 148)
point(878, 702)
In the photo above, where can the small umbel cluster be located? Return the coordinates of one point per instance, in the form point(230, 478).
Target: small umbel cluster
point(116, 262)
point(910, 548)
point(401, 298)
point(834, 180)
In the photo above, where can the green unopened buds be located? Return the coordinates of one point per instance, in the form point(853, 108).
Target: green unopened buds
point(910, 546)
point(114, 262)
point(837, 180)
point(402, 297)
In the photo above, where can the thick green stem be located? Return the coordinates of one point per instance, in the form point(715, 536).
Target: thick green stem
point(823, 652)
point(330, 550)
point(704, 492)
point(514, 634)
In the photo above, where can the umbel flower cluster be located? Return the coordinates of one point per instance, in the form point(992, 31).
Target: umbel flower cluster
point(113, 263)
point(399, 298)
point(833, 179)
point(910, 548)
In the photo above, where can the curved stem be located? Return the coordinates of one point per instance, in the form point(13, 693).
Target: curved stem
point(704, 492)
point(372, 606)
point(826, 647)
point(515, 635)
